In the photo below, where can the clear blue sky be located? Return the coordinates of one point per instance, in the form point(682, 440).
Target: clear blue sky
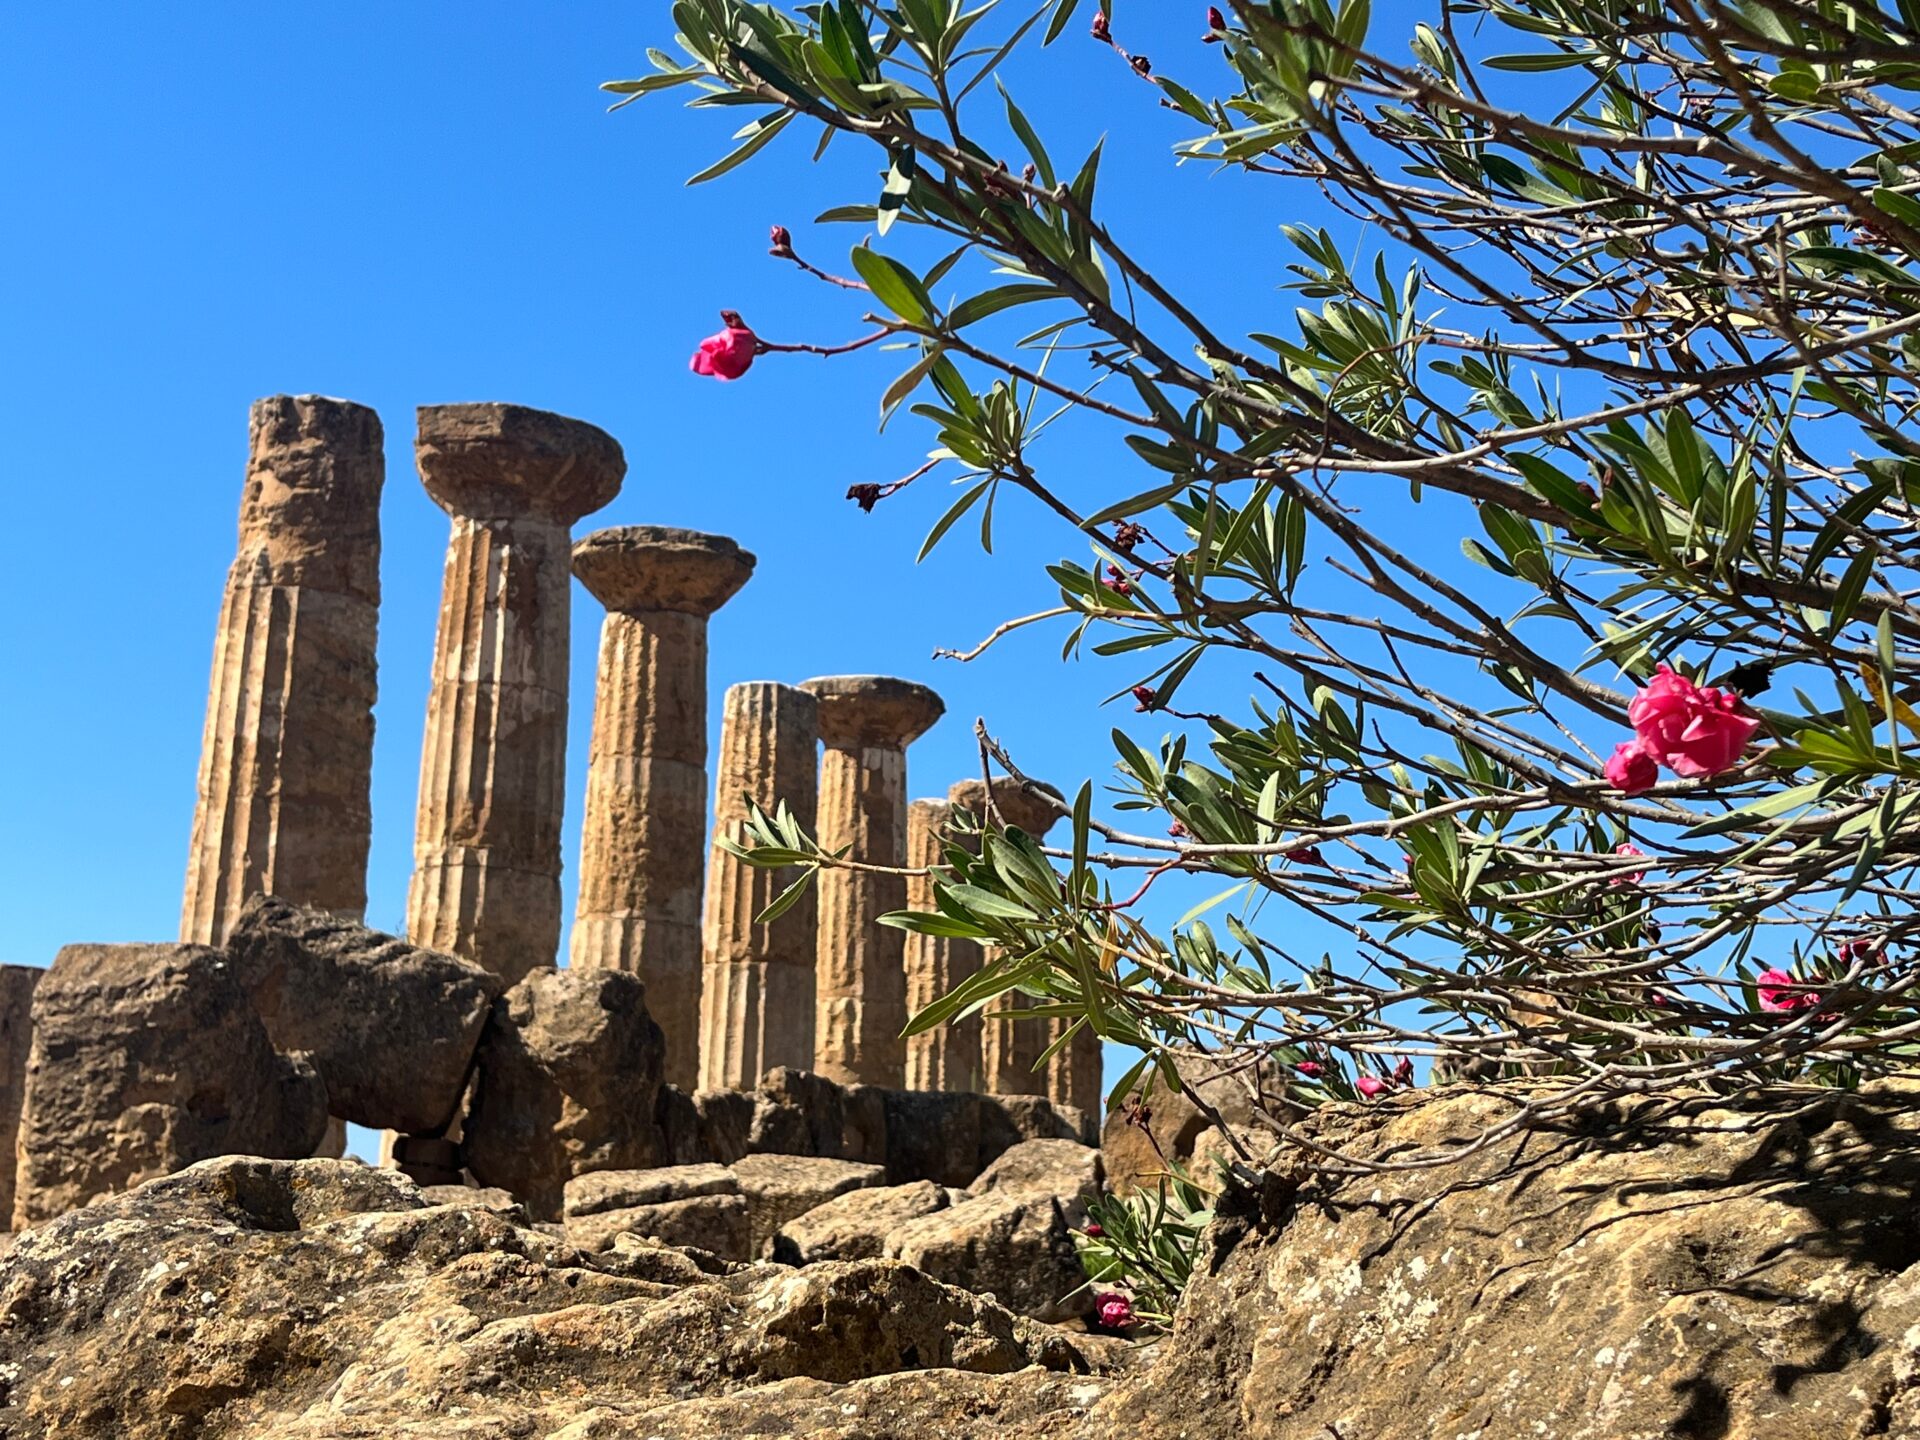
point(417, 203)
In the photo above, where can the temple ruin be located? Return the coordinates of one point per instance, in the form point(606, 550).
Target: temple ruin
point(682, 1034)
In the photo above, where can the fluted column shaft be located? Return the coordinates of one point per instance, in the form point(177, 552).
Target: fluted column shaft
point(866, 724)
point(946, 1057)
point(486, 880)
point(644, 837)
point(863, 982)
point(757, 996)
point(286, 761)
point(1073, 1074)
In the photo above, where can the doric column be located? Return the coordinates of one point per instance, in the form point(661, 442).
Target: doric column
point(1010, 1049)
point(486, 878)
point(286, 761)
point(946, 1057)
point(646, 820)
point(866, 724)
point(757, 990)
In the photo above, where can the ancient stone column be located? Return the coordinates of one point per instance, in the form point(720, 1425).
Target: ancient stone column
point(757, 983)
point(17, 984)
point(866, 724)
point(646, 821)
point(946, 1057)
point(486, 879)
point(1011, 1049)
point(286, 762)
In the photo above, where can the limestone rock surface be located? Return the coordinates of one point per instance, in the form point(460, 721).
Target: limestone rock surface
point(567, 1081)
point(1738, 1272)
point(146, 1058)
point(391, 1027)
point(1046, 1167)
point(855, 1226)
point(716, 1223)
point(780, 1188)
point(601, 1190)
point(1018, 1248)
point(244, 1299)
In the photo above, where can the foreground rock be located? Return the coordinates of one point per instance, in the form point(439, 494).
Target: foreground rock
point(146, 1058)
point(248, 1298)
point(391, 1027)
point(567, 1081)
point(1705, 1273)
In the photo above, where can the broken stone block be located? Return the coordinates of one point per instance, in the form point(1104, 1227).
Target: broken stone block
point(726, 1124)
point(855, 1226)
point(604, 1190)
point(567, 1081)
point(146, 1059)
point(714, 1223)
point(1006, 1120)
point(933, 1135)
point(391, 1027)
point(797, 1113)
point(1017, 1248)
point(1063, 1168)
point(781, 1187)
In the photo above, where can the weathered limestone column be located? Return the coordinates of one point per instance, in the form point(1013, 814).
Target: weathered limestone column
point(948, 1056)
point(757, 991)
point(486, 879)
point(286, 762)
point(866, 724)
point(646, 821)
point(1010, 1049)
point(17, 983)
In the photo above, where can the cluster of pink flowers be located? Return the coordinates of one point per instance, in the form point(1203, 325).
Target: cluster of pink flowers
point(1692, 730)
point(729, 354)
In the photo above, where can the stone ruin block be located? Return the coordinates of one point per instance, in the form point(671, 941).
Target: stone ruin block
point(17, 984)
point(146, 1059)
point(567, 1081)
point(391, 1027)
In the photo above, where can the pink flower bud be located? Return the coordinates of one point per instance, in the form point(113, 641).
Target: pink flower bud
point(1216, 26)
point(1403, 1072)
point(1144, 698)
point(1112, 1311)
point(1371, 1086)
point(1303, 855)
point(1094, 1230)
point(1118, 582)
point(1100, 30)
point(728, 355)
point(1633, 769)
point(780, 241)
point(1312, 1069)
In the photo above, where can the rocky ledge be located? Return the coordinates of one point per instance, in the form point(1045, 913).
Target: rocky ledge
point(1668, 1271)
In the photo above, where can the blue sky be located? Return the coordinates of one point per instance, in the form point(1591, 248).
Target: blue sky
point(414, 203)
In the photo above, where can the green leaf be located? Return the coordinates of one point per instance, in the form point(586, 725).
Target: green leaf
point(899, 183)
point(768, 127)
point(785, 900)
point(960, 507)
point(992, 302)
point(894, 285)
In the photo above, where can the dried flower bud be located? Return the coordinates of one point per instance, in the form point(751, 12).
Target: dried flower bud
point(1100, 29)
point(1141, 65)
point(866, 496)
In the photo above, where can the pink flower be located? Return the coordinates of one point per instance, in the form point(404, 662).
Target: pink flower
point(1371, 1086)
point(1693, 730)
point(1632, 877)
point(728, 355)
point(1866, 948)
point(1312, 1069)
point(1112, 1311)
point(1633, 770)
point(1403, 1072)
point(1304, 855)
point(1782, 994)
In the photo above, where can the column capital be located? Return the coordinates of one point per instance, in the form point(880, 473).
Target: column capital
point(491, 461)
point(633, 569)
point(873, 709)
point(1018, 808)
